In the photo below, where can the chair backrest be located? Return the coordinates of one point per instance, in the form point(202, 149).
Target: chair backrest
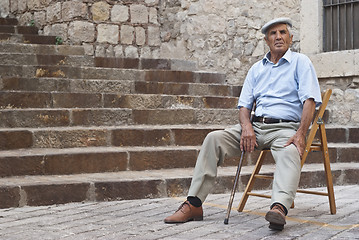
point(318, 120)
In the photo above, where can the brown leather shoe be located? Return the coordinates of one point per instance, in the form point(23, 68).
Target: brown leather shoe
point(276, 217)
point(185, 213)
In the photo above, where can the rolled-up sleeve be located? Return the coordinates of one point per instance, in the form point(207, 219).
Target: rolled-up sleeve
point(246, 98)
point(308, 81)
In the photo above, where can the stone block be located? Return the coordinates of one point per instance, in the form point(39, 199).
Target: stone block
point(15, 139)
point(76, 100)
point(38, 195)
point(141, 137)
point(169, 76)
point(127, 35)
point(73, 9)
point(21, 166)
point(335, 135)
point(178, 187)
point(100, 11)
point(218, 102)
point(161, 88)
point(34, 118)
point(131, 52)
point(139, 13)
point(60, 30)
point(101, 117)
point(348, 154)
point(85, 163)
point(119, 13)
point(155, 64)
point(190, 137)
point(146, 160)
point(152, 15)
point(127, 63)
point(154, 36)
point(109, 191)
point(176, 116)
point(24, 100)
point(70, 138)
point(107, 33)
point(354, 135)
point(81, 31)
point(53, 12)
point(10, 196)
point(140, 36)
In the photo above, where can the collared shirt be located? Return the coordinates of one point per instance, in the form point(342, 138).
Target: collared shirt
point(280, 89)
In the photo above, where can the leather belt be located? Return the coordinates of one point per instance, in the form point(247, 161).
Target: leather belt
point(270, 120)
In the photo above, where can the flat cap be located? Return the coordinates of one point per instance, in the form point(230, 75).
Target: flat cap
point(275, 21)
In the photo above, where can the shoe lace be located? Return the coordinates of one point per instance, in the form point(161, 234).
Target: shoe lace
point(182, 205)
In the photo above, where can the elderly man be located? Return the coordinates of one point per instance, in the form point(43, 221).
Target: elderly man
point(286, 91)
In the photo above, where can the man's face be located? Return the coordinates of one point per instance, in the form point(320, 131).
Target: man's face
point(278, 38)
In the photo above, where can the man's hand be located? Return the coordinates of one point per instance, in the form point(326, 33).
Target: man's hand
point(299, 141)
point(248, 139)
point(299, 138)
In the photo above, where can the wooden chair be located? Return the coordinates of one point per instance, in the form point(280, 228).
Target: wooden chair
point(322, 146)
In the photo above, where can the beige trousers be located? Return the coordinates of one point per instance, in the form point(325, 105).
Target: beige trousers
point(225, 143)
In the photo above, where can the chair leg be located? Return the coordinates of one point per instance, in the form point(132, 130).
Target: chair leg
point(251, 180)
point(328, 172)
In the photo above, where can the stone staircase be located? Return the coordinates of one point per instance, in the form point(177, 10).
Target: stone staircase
point(80, 128)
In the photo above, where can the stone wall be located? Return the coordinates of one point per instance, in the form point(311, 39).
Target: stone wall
point(218, 37)
point(221, 37)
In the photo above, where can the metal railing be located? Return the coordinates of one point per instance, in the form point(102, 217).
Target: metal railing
point(340, 25)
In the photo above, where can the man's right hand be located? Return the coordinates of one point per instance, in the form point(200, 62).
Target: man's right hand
point(248, 139)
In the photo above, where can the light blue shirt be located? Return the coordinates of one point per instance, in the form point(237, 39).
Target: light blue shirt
point(280, 89)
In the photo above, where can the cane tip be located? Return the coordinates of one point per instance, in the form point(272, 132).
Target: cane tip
point(226, 221)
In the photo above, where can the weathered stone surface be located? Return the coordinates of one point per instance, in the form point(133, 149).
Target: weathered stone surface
point(34, 118)
point(85, 163)
point(127, 34)
point(107, 33)
point(21, 166)
point(53, 12)
point(15, 139)
point(10, 197)
point(81, 31)
point(70, 138)
point(154, 36)
point(119, 13)
point(139, 13)
point(65, 193)
point(140, 36)
point(100, 11)
point(158, 159)
point(141, 137)
point(73, 9)
point(109, 191)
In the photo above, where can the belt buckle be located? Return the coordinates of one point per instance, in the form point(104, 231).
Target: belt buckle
point(264, 119)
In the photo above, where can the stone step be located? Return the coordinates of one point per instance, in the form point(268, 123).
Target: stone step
point(33, 118)
point(60, 189)
point(40, 59)
point(8, 21)
point(143, 63)
point(116, 86)
point(9, 47)
point(121, 136)
point(127, 136)
point(71, 72)
point(91, 159)
point(18, 29)
point(27, 38)
point(107, 100)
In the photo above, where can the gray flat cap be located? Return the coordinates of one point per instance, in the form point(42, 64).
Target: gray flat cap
point(275, 21)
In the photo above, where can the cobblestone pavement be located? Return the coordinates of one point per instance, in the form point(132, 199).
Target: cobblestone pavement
point(143, 219)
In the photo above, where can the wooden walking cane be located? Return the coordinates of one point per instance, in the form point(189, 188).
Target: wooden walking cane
point(237, 177)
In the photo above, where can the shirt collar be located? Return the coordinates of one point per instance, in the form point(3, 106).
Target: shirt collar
point(287, 57)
